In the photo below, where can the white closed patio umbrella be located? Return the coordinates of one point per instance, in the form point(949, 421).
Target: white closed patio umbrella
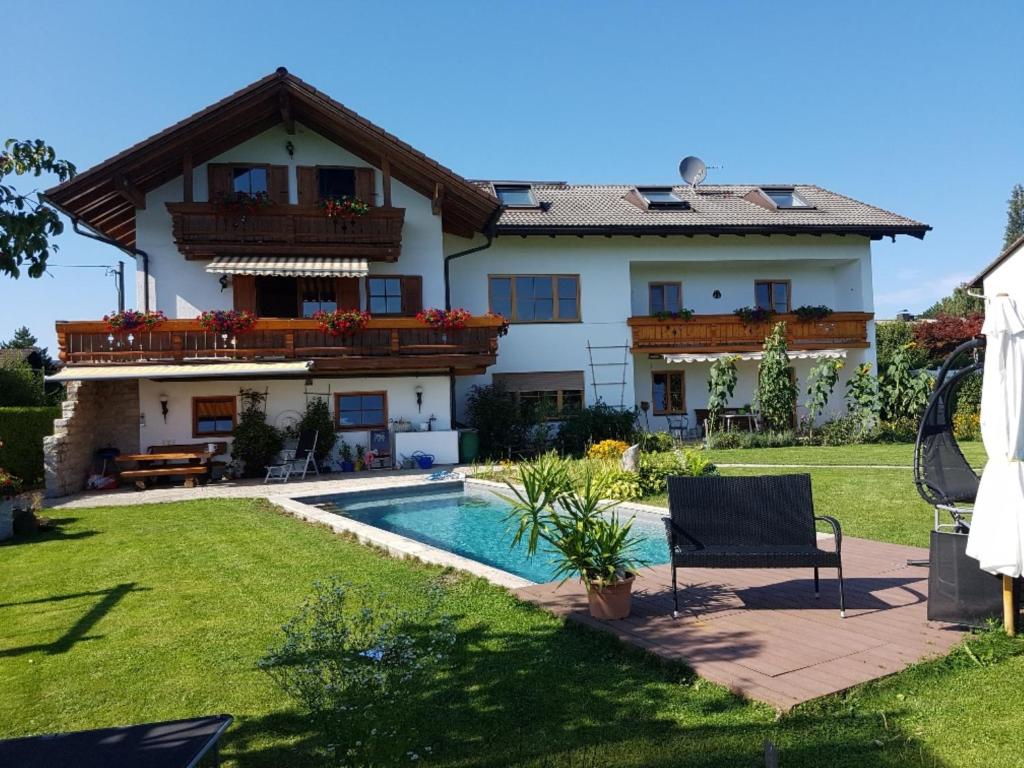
point(996, 539)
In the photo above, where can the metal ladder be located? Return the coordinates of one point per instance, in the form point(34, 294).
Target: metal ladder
point(623, 365)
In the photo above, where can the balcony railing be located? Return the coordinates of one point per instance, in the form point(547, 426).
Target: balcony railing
point(385, 344)
point(203, 230)
point(727, 333)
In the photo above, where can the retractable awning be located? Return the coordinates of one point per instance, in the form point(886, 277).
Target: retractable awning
point(289, 266)
point(711, 357)
point(181, 371)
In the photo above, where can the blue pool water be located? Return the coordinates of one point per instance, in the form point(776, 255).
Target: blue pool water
point(471, 523)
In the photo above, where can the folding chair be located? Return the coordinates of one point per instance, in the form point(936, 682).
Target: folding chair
point(300, 459)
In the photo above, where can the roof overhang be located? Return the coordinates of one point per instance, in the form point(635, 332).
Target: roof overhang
point(105, 196)
point(1006, 253)
point(710, 357)
point(181, 371)
point(714, 230)
point(295, 266)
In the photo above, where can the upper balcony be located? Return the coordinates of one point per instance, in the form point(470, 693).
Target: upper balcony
point(205, 230)
point(401, 344)
point(727, 333)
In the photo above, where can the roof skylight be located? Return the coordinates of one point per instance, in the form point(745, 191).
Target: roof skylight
point(515, 195)
point(662, 197)
point(785, 197)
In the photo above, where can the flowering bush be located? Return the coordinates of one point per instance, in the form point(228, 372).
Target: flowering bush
point(131, 320)
point(967, 425)
point(808, 312)
point(444, 319)
point(754, 314)
point(607, 449)
point(341, 322)
point(343, 206)
point(9, 484)
point(233, 321)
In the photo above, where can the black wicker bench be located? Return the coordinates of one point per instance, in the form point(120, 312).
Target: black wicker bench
point(748, 522)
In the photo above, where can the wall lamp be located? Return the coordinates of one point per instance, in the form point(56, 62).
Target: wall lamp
point(163, 406)
point(290, 148)
point(224, 282)
point(419, 398)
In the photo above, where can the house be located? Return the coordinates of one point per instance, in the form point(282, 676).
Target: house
point(1005, 274)
point(224, 211)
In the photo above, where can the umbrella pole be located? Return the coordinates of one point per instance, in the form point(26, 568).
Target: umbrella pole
point(1009, 609)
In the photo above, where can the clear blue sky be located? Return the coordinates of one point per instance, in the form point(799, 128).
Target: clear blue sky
point(913, 106)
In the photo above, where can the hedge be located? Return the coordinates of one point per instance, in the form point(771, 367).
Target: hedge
point(22, 431)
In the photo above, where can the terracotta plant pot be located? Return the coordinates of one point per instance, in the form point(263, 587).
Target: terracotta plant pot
point(611, 601)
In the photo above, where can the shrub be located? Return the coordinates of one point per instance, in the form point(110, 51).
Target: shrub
point(624, 485)
point(22, 431)
point(900, 430)
point(967, 425)
point(495, 414)
point(607, 449)
point(256, 443)
point(890, 337)
point(656, 442)
point(20, 385)
point(725, 440)
point(654, 469)
point(844, 430)
point(941, 336)
point(968, 397)
point(318, 419)
point(351, 660)
point(776, 391)
point(594, 424)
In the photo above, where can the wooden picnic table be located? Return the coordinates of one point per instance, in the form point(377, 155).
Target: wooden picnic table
point(198, 464)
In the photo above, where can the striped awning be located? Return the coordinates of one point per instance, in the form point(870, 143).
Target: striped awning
point(710, 357)
point(181, 371)
point(288, 266)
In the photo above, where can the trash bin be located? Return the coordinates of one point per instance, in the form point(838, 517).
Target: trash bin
point(958, 590)
point(469, 446)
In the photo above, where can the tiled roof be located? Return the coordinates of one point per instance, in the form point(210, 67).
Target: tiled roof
point(714, 208)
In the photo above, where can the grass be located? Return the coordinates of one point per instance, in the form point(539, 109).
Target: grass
point(129, 615)
point(887, 454)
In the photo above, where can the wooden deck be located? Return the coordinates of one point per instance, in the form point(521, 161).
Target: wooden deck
point(762, 634)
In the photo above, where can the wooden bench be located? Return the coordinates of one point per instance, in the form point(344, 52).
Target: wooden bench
point(189, 471)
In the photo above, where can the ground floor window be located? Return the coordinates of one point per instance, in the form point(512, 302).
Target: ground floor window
point(668, 392)
point(555, 393)
point(213, 416)
point(361, 410)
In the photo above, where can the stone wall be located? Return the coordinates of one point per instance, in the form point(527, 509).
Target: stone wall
point(96, 414)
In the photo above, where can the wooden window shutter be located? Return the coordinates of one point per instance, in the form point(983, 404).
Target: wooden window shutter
point(366, 185)
point(277, 184)
point(412, 294)
point(347, 289)
point(244, 289)
point(220, 180)
point(306, 184)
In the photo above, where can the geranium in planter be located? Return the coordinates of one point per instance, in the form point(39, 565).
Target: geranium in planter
point(345, 206)
point(227, 321)
point(503, 330)
point(682, 314)
point(342, 322)
point(244, 203)
point(810, 312)
point(587, 537)
point(444, 319)
point(129, 320)
point(753, 315)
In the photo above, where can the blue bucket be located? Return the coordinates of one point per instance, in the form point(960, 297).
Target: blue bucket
point(423, 460)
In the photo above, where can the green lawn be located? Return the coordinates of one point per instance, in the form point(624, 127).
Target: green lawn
point(135, 614)
point(895, 454)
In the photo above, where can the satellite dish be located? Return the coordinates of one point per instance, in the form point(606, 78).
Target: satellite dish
point(693, 170)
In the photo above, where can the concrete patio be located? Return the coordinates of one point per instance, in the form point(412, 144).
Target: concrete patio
point(762, 634)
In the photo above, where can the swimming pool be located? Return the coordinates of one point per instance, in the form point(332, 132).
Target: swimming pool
point(469, 521)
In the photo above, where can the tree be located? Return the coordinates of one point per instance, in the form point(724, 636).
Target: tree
point(721, 385)
point(945, 333)
point(958, 304)
point(27, 224)
point(776, 390)
point(1014, 216)
point(22, 339)
point(20, 386)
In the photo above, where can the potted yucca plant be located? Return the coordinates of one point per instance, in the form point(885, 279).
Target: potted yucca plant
point(587, 537)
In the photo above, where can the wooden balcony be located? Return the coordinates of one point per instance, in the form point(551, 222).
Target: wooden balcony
point(387, 344)
point(205, 230)
point(727, 333)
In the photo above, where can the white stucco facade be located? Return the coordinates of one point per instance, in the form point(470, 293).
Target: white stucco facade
point(1007, 276)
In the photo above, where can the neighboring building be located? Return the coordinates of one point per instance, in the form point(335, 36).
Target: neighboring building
point(1005, 274)
point(582, 273)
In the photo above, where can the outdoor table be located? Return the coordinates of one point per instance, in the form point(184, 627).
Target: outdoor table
point(169, 744)
point(156, 465)
point(730, 418)
point(191, 456)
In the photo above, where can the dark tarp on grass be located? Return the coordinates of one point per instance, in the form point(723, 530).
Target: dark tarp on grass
point(170, 744)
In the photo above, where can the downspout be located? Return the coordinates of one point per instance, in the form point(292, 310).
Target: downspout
point(135, 252)
point(488, 231)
